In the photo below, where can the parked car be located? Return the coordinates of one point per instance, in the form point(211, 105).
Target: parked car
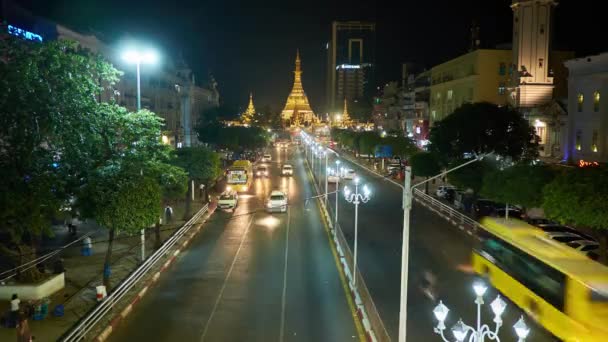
point(287, 170)
point(228, 199)
point(393, 168)
point(459, 198)
point(450, 194)
point(349, 174)
point(441, 191)
point(535, 221)
point(261, 171)
point(513, 213)
point(266, 158)
point(565, 237)
point(558, 228)
point(587, 247)
point(277, 201)
point(333, 178)
point(484, 207)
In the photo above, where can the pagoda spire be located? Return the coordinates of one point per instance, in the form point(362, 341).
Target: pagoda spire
point(345, 116)
point(248, 115)
point(297, 110)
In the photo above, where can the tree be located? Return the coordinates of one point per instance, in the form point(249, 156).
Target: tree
point(122, 200)
point(480, 128)
point(173, 181)
point(521, 184)
point(580, 197)
point(201, 164)
point(470, 176)
point(48, 121)
point(425, 164)
point(401, 146)
point(368, 142)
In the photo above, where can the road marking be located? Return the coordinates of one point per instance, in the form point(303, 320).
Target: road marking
point(284, 295)
point(219, 297)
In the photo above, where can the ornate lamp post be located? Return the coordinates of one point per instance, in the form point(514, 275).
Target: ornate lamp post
point(460, 330)
point(356, 198)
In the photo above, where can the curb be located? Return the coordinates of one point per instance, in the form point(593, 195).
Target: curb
point(360, 309)
point(117, 319)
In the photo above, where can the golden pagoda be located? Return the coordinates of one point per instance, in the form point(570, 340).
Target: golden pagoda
point(248, 116)
point(345, 119)
point(297, 111)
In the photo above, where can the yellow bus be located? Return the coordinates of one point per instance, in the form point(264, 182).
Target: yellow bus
point(562, 289)
point(240, 175)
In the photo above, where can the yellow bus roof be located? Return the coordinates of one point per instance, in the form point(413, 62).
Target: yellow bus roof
point(535, 242)
point(241, 163)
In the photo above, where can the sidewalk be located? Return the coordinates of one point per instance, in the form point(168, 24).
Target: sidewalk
point(83, 273)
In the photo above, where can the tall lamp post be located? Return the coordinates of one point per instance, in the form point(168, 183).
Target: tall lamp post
point(137, 58)
point(337, 194)
point(356, 198)
point(480, 332)
point(408, 191)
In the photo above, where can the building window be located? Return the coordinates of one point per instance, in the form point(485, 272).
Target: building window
point(541, 131)
point(502, 69)
point(594, 141)
point(450, 94)
point(580, 99)
point(596, 101)
point(502, 88)
point(579, 136)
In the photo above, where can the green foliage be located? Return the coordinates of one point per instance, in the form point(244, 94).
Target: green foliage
point(368, 142)
point(201, 164)
point(123, 199)
point(235, 138)
point(521, 184)
point(424, 164)
point(578, 197)
point(402, 146)
point(173, 180)
point(483, 128)
point(470, 176)
point(48, 112)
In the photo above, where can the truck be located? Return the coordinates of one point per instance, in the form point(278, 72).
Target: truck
point(240, 175)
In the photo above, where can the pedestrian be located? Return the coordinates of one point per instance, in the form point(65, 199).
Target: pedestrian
point(168, 214)
point(87, 246)
point(14, 316)
point(23, 330)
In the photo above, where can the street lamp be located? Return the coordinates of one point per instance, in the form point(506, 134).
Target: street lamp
point(138, 57)
point(337, 195)
point(356, 198)
point(460, 330)
point(408, 191)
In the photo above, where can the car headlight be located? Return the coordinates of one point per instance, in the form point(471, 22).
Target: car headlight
point(269, 205)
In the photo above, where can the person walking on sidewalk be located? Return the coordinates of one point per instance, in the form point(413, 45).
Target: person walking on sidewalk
point(168, 214)
point(23, 330)
point(14, 315)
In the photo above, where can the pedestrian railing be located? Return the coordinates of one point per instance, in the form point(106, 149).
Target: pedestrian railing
point(447, 211)
point(97, 314)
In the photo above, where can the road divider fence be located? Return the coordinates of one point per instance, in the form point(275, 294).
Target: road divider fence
point(84, 328)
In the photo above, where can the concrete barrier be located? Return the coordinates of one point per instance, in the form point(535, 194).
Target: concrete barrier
point(34, 291)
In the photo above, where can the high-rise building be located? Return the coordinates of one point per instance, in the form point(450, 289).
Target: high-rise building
point(350, 63)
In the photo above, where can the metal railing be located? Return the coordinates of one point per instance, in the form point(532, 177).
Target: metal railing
point(445, 210)
point(88, 322)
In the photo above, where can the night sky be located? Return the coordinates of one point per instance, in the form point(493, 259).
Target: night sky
point(250, 45)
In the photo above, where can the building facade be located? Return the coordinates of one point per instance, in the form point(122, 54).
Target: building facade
point(169, 89)
point(478, 76)
point(350, 63)
point(587, 128)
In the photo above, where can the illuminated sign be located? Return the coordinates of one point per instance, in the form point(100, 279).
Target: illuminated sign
point(348, 66)
point(584, 163)
point(21, 33)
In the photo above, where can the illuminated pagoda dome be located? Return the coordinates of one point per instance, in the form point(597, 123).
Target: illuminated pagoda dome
point(345, 119)
point(297, 111)
point(248, 116)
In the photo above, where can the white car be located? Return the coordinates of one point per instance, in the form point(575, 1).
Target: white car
point(349, 174)
point(587, 247)
point(333, 178)
point(266, 158)
point(287, 170)
point(228, 199)
point(277, 201)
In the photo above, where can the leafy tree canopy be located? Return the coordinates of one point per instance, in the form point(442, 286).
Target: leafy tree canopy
point(424, 164)
point(201, 164)
point(470, 176)
point(480, 128)
point(521, 184)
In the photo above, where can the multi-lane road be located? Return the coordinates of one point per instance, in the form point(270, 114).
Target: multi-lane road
point(252, 276)
point(435, 246)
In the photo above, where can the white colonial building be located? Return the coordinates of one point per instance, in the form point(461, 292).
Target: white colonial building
point(587, 109)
